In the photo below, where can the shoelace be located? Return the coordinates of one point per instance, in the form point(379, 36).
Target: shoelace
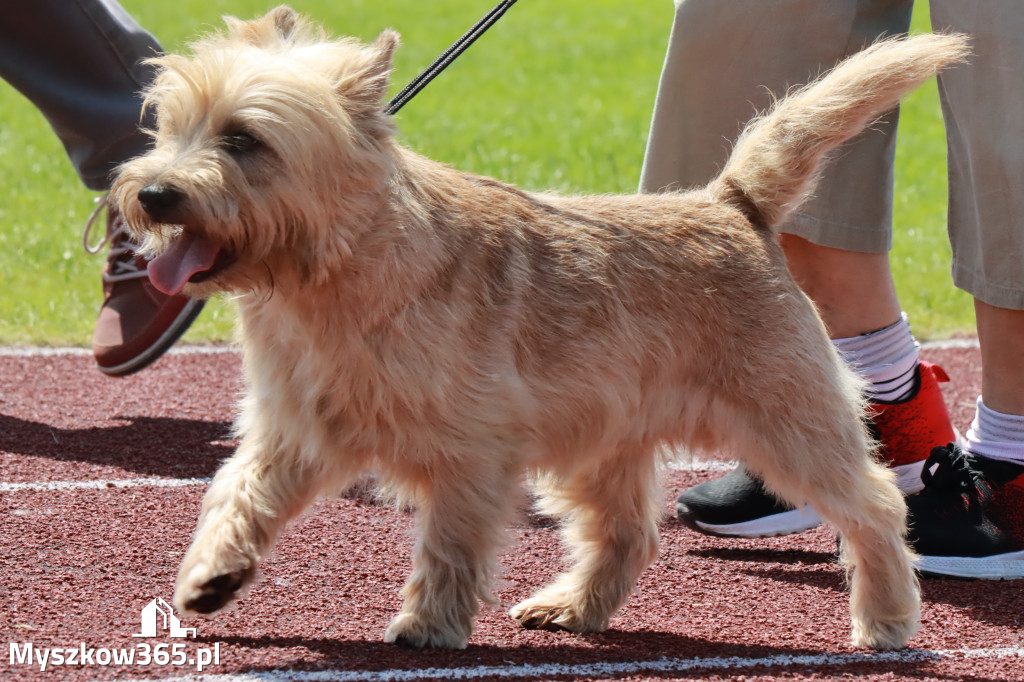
point(121, 263)
point(950, 469)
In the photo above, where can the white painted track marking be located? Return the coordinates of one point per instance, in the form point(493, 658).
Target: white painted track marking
point(106, 484)
point(602, 670)
point(41, 351)
point(103, 484)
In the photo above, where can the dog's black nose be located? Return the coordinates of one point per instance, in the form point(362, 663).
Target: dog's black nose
point(163, 203)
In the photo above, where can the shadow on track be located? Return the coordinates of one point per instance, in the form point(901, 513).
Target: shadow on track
point(177, 448)
point(540, 662)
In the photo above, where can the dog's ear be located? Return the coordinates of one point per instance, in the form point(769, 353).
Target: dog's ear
point(285, 20)
point(365, 83)
point(279, 24)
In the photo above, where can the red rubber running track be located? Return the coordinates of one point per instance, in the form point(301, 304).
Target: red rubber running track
point(100, 485)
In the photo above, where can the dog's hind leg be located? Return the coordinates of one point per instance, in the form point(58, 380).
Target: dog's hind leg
point(463, 505)
point(885, 604)
point(611, 516)
point(251, 498)
point(811, 446)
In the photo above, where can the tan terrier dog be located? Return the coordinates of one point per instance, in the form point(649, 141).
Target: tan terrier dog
point(458, 336)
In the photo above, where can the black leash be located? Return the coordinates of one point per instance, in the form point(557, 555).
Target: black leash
point(447, 57)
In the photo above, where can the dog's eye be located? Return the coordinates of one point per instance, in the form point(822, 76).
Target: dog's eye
point(240, 143)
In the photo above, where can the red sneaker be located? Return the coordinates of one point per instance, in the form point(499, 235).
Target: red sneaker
point(137, 324)
point(910, 429)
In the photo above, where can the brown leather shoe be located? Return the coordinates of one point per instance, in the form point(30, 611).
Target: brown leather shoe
point(137, 324)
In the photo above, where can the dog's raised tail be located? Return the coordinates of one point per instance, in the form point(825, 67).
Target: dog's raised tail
point(775, 162)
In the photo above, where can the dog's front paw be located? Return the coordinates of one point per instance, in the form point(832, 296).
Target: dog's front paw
point(543, 613)
point(205, 591)
point(412, 630)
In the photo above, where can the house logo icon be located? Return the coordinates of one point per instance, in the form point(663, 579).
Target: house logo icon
point(159, 615)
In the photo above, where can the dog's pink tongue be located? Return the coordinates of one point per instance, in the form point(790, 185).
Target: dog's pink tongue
point(187, 255)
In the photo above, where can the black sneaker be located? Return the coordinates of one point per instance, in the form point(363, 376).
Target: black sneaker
point(737, 506)
point(968, 521)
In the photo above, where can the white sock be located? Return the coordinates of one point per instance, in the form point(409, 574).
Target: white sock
point(995, 435)
point(887, 358)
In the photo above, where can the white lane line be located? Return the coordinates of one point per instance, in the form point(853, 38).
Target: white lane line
point(686, 464)
point(104, 484)
point(603, 670)
point(40, 352)
point(43, 351)
point(950, 343)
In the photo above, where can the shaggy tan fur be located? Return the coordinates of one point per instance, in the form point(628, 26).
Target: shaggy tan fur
point(459, 336)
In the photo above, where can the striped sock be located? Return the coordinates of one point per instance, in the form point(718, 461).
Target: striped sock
point(887, 358)
point(995, 435)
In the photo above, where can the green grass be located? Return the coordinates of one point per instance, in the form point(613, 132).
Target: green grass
point(557, 96)
point(921, 254)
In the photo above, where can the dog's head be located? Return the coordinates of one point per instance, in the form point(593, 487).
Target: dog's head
point(271, 150)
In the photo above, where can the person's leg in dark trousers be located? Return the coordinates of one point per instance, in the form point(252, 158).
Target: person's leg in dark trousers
point(81, 63)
